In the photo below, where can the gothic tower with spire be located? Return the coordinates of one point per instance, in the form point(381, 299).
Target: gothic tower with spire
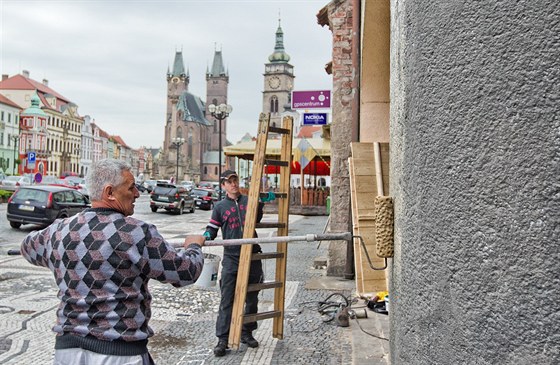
point(217, 81)
point(278, 80)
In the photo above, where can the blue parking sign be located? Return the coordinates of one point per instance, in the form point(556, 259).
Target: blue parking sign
point(31, 157)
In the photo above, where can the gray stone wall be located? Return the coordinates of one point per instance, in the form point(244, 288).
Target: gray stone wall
point(475, 166)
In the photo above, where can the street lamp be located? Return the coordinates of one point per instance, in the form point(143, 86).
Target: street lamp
point(177, 142)
point(220, 112)
point(15, 138)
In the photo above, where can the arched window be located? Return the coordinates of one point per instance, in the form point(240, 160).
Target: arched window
point(205, 170)
point(179, 132)
point(274, 104)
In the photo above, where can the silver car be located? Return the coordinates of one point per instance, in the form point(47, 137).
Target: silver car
point(12, 183)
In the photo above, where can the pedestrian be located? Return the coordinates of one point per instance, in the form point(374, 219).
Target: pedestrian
point(229, 215)
point(102, 260)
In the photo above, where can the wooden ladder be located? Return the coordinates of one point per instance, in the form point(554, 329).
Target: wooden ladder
point(279, 284)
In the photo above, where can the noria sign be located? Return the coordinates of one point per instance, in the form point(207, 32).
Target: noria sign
point(314, 118)
point(320, 99)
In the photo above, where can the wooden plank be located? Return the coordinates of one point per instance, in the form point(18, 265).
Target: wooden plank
point(364, 191)
point(355, 228)
point(248, 232)
point(283, 217)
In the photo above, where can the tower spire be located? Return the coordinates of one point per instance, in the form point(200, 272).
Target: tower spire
point(279, 55)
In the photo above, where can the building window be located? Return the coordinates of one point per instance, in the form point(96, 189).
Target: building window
point(2, 116)
point(274, 104)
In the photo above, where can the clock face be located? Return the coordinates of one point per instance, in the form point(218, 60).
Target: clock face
point(274, 82)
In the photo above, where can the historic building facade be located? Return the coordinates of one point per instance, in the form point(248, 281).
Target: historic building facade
point(191, 140)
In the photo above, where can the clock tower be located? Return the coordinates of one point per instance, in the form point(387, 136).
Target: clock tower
point(278, 80)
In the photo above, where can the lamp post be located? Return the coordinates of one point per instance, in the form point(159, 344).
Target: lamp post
point(15, 138)
point(220, 112)
point(177, 142)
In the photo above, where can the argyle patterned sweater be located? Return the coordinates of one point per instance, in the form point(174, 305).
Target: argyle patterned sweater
point(102, 262)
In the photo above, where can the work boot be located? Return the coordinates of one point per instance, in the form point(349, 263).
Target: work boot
point(220, 349)
point(249, 340)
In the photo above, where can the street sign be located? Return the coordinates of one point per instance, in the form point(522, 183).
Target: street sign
point(38, 177)
point(314, 118)
point(31, 157)
point(320, 99)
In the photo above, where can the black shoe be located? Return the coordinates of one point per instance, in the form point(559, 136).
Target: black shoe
point(249, 340)
point(220, 349)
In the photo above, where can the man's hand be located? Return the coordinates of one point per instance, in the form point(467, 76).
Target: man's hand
point(199, 239)
point(206, 235)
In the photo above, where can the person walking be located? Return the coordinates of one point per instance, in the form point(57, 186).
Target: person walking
point(102, 260)
point(229, 216)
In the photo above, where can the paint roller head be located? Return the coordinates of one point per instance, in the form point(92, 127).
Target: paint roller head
point(384, 221)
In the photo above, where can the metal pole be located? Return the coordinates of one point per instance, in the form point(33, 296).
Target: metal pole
point(346, 236)
point(177, 172)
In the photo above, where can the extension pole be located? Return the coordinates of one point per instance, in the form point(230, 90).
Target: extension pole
point(346, 236)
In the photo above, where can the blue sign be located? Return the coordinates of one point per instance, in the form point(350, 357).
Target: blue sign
point(31, 157)
point(314, 118)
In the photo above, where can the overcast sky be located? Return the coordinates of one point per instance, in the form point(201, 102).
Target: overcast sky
point(110, 57)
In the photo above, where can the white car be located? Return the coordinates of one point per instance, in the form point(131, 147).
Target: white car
point(12, 183)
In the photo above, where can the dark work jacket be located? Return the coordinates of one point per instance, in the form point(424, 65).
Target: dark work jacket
point(229, 215)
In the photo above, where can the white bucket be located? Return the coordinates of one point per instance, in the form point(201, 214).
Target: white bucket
point(209, 275)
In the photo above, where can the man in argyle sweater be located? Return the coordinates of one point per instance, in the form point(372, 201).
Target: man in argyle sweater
point(102, 260)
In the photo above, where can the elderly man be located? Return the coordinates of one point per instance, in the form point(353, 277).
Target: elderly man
point(102, 260)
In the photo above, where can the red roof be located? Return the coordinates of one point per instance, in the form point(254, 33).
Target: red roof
point(5, 100)
point(102, 133)
point(307, 131)
point(119, 140)
point(20, 82)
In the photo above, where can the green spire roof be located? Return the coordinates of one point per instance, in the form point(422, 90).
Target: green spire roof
point(279, 55)
point(178, 66)
point(218, 65)
point(35, 109)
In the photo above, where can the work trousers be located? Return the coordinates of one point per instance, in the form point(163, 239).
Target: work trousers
point(227, 289)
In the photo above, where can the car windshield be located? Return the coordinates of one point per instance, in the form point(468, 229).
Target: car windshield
point(164, 190)
point(31, 194)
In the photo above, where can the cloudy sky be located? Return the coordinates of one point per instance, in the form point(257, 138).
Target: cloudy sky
point(111, 56)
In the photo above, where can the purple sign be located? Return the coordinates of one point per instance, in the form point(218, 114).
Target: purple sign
point(320, 99)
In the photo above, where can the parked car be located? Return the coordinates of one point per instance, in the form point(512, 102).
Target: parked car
point(187, 184)
point(12, 183)
point(204, 198)
point(171, 197)
point(150, 185)
point(79, 183)
point(140, 188)
point(42, 204)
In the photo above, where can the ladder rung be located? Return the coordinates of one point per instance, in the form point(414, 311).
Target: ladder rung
point(248, 318)
point(265, 285)
point(278, 130)
point(277, 162)
point(270, 225)
point(267, 255)
point(277, 195)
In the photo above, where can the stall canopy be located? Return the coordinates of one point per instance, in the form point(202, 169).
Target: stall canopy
point(313, 153)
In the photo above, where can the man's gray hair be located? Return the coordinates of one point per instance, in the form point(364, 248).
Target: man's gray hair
point(103, 173)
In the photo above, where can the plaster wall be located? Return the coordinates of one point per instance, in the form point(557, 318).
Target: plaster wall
point(475, 161)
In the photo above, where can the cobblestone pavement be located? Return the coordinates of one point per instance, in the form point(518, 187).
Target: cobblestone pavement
point(184, 318)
